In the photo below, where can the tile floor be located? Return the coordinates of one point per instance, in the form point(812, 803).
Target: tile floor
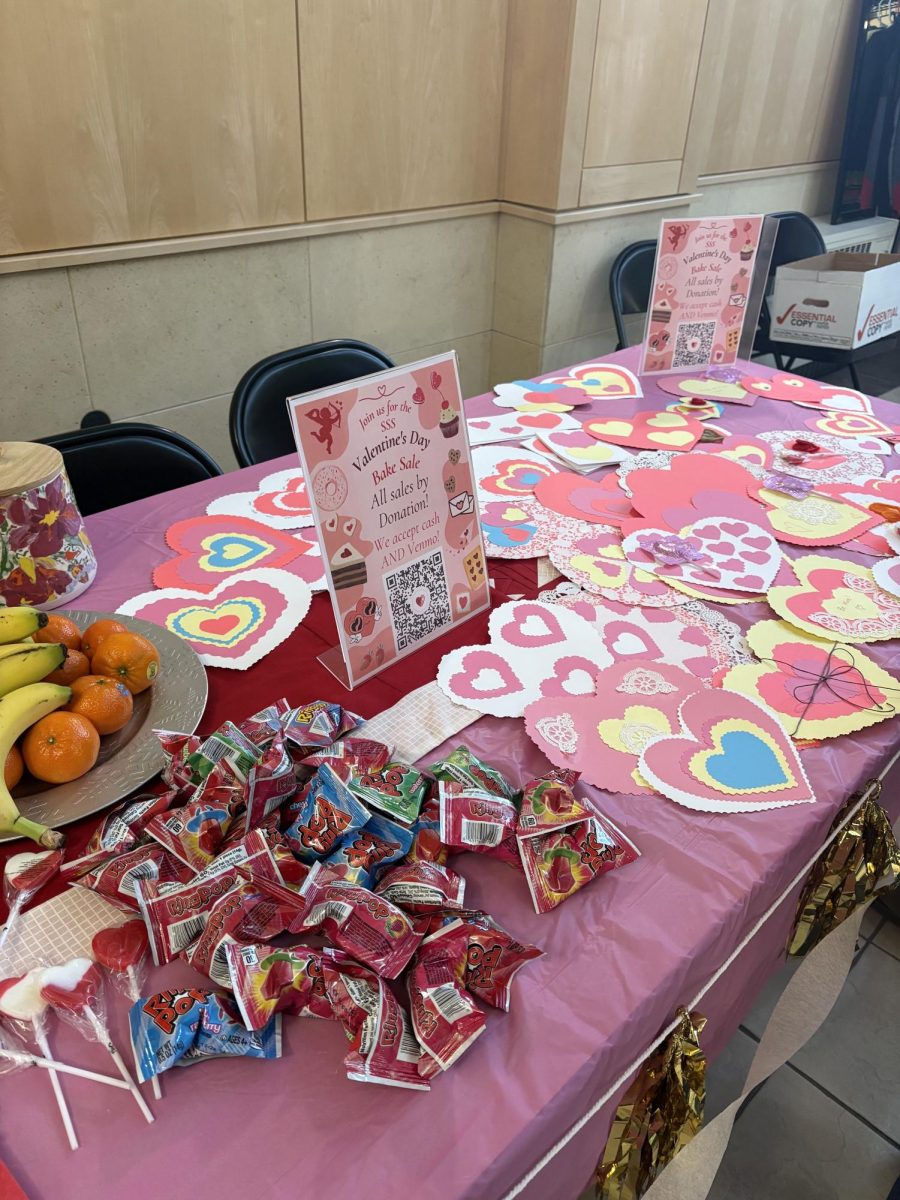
point(827, 1125)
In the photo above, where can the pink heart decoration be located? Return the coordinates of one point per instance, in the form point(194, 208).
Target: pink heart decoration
point(210, 548)
point(484, 675)
point(753, 571)
point(532, 625)
point(602, 502)
point(280, 501)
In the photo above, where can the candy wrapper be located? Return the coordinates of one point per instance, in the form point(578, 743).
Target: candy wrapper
point(563, 844)
point(360, 755)
point(179, 1028)
point(398, 790)
point(322, 814)
point(271, 782)
point(120, 831)
point(241, 916)
point(445, 1018)
point(426, 830)
point(372, 849)
point(177, 748)
point(123, 950)
point(461, 766)
point(318, 724)
point(285, 979)
point(117, 878)
point(23, 877)
point(422, 887)
point(492, 959)
point(472, 819)
point(383, 1048)
point(194, 834)
point(227, 747)
point(367, 927)
point(268, 723)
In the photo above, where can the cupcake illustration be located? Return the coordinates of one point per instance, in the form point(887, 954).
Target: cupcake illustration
point(449, 420)
point(747, 251)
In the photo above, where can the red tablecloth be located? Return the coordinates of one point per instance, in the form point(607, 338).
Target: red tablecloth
point(620, 958)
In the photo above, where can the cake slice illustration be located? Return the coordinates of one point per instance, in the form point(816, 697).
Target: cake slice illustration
point(662, 312)
point(348, 567)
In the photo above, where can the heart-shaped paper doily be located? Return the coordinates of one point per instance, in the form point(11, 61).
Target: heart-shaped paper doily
point(211, 548)
point(235, 624)
point(839, 599)
point(280, 500)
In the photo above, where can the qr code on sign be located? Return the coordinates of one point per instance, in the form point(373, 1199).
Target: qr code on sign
point(418, 599)
point(693, 343)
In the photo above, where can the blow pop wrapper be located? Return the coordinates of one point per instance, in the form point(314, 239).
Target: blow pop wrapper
point(383, 1048)
point(318, 724)
point(446, 1020)
point(179, 1028)
point(194, 833)
point(492, 956)
point(370, 851)
point(271, 782)
point(422, 887)
point(119, 832)
point(324, 813)
point(267, 724)
point(397, 790)
point(117, 878)
point(461, 766)
point(426, 830)
point(242, 915)
point(472, 819)
point(359, 754)
point(286, 979)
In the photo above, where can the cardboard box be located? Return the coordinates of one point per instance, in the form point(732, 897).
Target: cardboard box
point(840, 300)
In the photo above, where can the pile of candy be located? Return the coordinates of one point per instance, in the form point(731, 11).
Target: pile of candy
point(287, 823)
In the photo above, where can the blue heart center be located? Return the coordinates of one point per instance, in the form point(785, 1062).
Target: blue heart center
point(231, 551)
point(746, 762)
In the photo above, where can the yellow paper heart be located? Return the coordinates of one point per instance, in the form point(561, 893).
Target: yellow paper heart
point(613, 428)
point(837, 599)
point(853, 605)
point(815, 520)
point(666, 420)
point(677, 437)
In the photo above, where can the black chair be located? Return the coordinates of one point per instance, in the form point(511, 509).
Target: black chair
point(258, 422)
point(630, 280)
point(799, 237)
point(114, 464)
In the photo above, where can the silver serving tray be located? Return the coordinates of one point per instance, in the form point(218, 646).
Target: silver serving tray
point(133, 755)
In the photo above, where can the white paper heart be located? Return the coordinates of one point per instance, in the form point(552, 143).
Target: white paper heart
point(886, 573)
point(279, 500)
point(735, 555)
point(234, 625)
point(535, 650)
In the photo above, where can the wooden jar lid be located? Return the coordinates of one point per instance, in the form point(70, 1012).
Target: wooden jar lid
point(27, 465)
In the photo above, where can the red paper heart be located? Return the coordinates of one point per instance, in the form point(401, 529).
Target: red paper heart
point(120, 946)
point(219, 626)
point(187, 538)
point(546, 420)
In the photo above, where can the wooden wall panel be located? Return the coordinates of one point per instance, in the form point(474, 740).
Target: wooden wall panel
point(645, 66)
point(776, 83)
point(123, 120)
point(401, 103)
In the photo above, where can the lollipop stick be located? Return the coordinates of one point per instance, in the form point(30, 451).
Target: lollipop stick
point(135, 990)
point(15, 909)
point(52, 1064)
point(43, 1045)
point(114, 1054)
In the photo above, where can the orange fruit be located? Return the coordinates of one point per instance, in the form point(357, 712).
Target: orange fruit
point(94, 634)
point(105, 702)
point(13, 768)
point(128, 657)
point(75, 665)
point(60, 747)
point(59, 629)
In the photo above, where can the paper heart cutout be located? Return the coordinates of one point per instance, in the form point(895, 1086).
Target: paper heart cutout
point(851, 425)
point(507, 471)
point(731, 755)
point(579, 449)
point(602, 735)
point(818, 688)
point(530, 648)
point(599, 502)
point(816, 520)
point(649, 430)
point(887, 575)
point(603, 380)
point(596, 561)
point(528, 395)
point(837, 599)
point(210, 548)
point(706, 388)
point(809, 393)
point(837, 460)
point(682, 491)
point(235, 624)
point(734, 555)
point(280, 501)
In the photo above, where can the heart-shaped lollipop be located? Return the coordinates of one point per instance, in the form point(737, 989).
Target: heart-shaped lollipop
point(73, 987)
point(25, 873)
point(121, 946)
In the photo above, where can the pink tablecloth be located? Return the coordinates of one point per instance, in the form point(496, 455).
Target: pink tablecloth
point(621, 957)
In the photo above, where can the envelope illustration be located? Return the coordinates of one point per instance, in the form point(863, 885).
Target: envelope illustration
point(462, 504)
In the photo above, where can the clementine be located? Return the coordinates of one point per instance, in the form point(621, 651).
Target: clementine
point(94, 634)
point(60, 747)
point(76, 664)
point(13, 768)
point(105, 702)
point(59, 629)
point(128, 657)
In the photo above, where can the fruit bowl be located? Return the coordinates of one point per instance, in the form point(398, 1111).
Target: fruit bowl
point(133, 755)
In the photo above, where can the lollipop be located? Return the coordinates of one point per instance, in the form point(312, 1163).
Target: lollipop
point(21, 1000)
point(74, 990)
point(13, 1057)
point(23, 875)
point(122, 949)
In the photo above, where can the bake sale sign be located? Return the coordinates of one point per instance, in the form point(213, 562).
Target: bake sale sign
point(698, 300)
point(389, 475)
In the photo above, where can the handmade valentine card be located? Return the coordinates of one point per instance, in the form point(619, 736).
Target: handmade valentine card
point(535, 649)
point(696, 407)
point(823, 458)
point(680, 490)
point(234, 625)
point(700, 293)
point(602, 735)
point(815, 519)
point(862, 427)
point(807, 392)
point(818, 687)
point(526, 395)
point(731, 755)
point(599, 381)
point(734, 555)
point(513, 426)
point(393, 497)
point(280, 500)
point(887, 575)
point(600, 501)
point(880, 497)
point(522, 528)
point(647, 430)
point(707, 387)
point(507, 472)
point(578, 449)
point(596, 561)
point(838, 599)
point(209, 548)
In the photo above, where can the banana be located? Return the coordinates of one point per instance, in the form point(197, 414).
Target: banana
point(18, 710)
point(29, 665)
point(20, 622)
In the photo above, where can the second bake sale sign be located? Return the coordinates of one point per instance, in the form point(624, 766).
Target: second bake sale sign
point(390, 480)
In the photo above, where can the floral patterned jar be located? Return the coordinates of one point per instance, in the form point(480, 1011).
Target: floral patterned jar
point(46, 558)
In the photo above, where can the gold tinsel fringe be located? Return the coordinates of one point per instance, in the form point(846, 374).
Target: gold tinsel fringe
point(863, 859)
point(659, 1114)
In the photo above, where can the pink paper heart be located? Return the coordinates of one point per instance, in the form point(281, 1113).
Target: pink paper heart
point(479, 665)
point(533, 625)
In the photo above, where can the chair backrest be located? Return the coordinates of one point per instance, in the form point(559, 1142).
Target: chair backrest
point(797, 236)
point(630, 280)
point(110, 465)
point(258, 422)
